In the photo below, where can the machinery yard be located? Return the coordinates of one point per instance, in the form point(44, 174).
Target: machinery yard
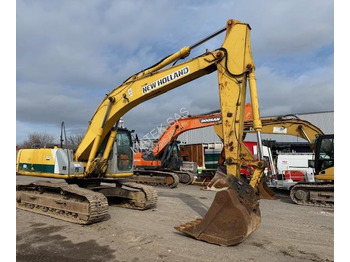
point(228, 177)
point(288, 232)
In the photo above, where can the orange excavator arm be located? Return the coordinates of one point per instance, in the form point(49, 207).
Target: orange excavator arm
point(179, 126)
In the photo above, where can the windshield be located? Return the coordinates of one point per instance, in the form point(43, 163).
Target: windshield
point(326, 156)
point(124, 150)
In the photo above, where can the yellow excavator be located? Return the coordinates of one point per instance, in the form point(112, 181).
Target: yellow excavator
point(103, 160)
point(318, 193)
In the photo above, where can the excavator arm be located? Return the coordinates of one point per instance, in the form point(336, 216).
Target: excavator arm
point(282, 125)
point(179, 126)
point(287, 125)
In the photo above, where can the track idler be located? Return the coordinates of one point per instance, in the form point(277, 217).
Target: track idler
point(231, 218)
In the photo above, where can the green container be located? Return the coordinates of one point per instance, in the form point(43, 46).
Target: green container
point(211, 158)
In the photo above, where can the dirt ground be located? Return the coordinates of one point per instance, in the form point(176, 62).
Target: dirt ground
point(288, 232)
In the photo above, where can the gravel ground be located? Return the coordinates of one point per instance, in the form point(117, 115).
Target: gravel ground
point(288, 232)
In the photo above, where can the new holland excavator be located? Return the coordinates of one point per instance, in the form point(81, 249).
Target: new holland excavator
point(162, 164)
point(104, 155)
point(318, 193)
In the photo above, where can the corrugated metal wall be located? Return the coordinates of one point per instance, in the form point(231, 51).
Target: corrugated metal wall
point(323, 120)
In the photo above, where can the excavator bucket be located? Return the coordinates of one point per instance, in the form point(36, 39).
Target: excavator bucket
point(219, 181)
point(232, 217)
point(265, 192)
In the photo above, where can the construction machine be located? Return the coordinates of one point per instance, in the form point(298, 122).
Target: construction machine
point(313, 193)
point(320, 192)
point(103, 160)
point(162, 164)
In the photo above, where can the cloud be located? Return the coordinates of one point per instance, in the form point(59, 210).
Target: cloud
point(309, 91)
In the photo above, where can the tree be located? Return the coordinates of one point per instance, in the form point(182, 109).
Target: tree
point(38, 140)
point(75, 139)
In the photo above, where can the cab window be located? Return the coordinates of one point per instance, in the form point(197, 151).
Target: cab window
point(124, 151)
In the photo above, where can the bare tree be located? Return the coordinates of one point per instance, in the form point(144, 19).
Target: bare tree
point(38, 139)
point(75, 139)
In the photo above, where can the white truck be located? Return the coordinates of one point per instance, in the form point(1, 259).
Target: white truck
point(291, 169)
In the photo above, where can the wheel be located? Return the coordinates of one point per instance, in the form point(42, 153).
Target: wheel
point(300, 195)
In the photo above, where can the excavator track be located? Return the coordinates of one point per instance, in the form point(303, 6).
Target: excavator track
point(66, 202)
point(156, 178)
point(185, 177)
point(150, 197)
point(128, 194)
point(320, 195)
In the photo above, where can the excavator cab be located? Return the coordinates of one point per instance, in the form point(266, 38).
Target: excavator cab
point(324, 156)
point(171, 157)
point(121, 156)
point(124, 151)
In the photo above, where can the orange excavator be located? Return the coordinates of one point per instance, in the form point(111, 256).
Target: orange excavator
point(162, 165)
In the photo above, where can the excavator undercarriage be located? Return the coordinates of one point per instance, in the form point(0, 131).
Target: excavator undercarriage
point(162, 177)
point(85, 202)
point(156, 178)
point(66, 202)
point(313, 194)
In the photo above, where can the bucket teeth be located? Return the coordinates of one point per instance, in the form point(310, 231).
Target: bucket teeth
point(188, 225)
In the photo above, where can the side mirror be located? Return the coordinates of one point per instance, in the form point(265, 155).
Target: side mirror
point(311, 163)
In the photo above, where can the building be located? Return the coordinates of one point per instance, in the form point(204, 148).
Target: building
point(323, 120)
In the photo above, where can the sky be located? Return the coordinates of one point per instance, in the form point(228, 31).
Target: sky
point(70, 54)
